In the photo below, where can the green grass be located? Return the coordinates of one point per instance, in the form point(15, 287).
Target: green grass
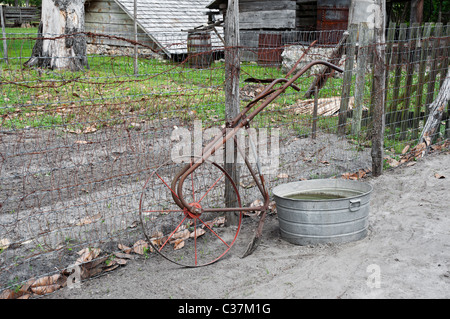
point(108, 93)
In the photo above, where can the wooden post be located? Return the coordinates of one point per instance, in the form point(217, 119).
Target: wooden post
point(5, 45)
point(397, 80)
point(433, 70)
point(345, 96)
point(314, 115)
point(232, 73)
point(409, 80)
point(421, 77)
point(136, 68)
point(389, 56)
point(379, 87)
point(444, 70)
point(360, 76)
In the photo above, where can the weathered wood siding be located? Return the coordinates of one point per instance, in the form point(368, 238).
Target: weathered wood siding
point(267, 14)
point(106, 17)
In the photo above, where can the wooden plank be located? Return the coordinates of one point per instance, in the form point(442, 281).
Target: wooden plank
point(421, 76)
point(108, 18)
point(360, 78)
point(389, 55)
point(412, 46)
point(351, 41)
point(266, 6)
point(397, 79)
point(444, 72)
point(103, 7)
point(268, 19)
point(433, 67)
point(5, 45)
point(232, 102)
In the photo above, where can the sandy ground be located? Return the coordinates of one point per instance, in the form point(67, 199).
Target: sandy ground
point(405, 255)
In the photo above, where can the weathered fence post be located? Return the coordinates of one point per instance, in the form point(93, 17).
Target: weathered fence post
point(232, 73)
point(379, 87)
point(348, 70)
point(360, 78)
point(389, 59)
point(444, 70)
point(136, 68)
point(421, 77)
point(412, 43)
point(314, 117)
point(434, 66)
point(397, 80)
point(5, 46)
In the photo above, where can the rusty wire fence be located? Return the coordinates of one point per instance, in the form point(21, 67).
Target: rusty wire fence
point(76, 148)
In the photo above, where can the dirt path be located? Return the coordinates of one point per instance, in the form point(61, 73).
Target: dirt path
point(407, 249)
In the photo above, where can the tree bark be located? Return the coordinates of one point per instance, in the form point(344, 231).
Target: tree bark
point(61, 43)
point(416, 15)
point(436, 110)
point(379, 85)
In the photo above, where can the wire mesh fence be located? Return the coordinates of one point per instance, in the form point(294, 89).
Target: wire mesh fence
point(77, 148)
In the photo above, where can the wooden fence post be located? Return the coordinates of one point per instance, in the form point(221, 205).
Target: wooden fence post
point(136, 68)
point(348, 70)
point(232, 73)
point(360, 78)
point(434, 66)
point(389, 58)
point(5, 45)
point(444, 71)
point(397, 79)
point(412, 43)
point(421, 77)
point(379, 87)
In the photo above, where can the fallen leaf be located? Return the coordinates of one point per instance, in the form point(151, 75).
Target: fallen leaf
point(197, 233)
point(178, 244)
point(141, 247)
point(123, 255)
point(4, 243)
point(87, 254)
point(282, 175)
point(184, 234)
point(46, 281)
point(89, 220)
point(82, 142)
point(439, 176)
point(405, 149)
point(43, 290)
point(124, 248)
point(325, 162)
point(90, 129)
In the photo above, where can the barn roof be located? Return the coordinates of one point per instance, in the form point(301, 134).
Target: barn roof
point(167, 20)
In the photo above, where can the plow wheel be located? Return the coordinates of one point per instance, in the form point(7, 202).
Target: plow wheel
point(187, 238)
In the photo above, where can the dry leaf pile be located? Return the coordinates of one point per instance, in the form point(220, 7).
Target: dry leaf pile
point(89, 264)
point(361, 173)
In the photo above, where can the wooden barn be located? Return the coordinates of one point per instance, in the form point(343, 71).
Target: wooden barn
point(272, 23)
point(161, 25)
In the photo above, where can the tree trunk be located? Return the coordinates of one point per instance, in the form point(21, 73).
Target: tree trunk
point(61, 43)
point(436, 110)
point(416, 15)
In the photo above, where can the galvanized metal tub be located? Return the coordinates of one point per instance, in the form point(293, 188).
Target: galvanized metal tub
point(320, 221)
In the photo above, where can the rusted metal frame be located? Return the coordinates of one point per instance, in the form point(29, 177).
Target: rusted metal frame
point(236, 124)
